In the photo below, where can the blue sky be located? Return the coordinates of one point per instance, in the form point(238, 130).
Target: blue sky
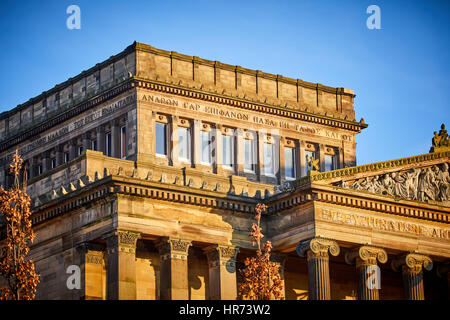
point(400, 73)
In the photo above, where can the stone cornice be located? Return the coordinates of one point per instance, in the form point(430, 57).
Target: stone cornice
point(370, 168)
point(241, 102)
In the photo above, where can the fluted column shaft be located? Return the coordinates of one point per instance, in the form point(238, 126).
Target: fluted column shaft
point(412, 266)
point(365, 258)
point(318, 276)
point(101, 139)
point(316, 251)
point(413, 283)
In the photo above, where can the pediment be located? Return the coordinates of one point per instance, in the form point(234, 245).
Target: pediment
point(424, 178)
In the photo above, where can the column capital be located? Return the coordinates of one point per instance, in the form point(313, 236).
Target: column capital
point(124, 240)
point(221, 255)
point(173, 248)
point(100, 129)
point(412, 262)
point(318, 246)
point(367, 255)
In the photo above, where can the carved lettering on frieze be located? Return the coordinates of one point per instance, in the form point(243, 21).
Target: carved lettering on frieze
point(380, 223)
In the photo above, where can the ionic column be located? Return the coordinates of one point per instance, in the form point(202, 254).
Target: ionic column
point(412, 265)
point(174, 269)
point(365, 258)
point(101, 139)
point(121, 267)
point(222, 272)
point(280, 259)
point(115, 138)
point(316, 251)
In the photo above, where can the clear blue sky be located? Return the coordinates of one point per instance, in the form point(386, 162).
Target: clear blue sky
point(400, 73)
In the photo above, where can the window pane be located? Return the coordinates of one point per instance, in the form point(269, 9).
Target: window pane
point(268, 159)
point(161, 138)
point(248, 155)
point(123, 139)
point(184, 144)
point(289, 161)
point(108, 144)
point(329, 162)
point(205, 137)
point(227, 151)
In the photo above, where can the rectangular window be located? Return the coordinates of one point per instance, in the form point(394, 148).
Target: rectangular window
point(80, 150)
point(39, 171)
point(330, 162)
point(205, 143)
point(249, 164)
point(53, 164)
point(161, 139)
point(269, 167)
point(227, 151)
point(123, 142)
point(289, 163)
point(66, 157)
point(184, 144)
point(108, 144)
point(308, 155)
point(94, 145)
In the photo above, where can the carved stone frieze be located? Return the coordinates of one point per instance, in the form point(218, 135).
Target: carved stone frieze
point(422, 184)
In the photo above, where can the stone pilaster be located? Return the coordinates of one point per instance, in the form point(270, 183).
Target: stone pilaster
point(59, 155)
point(365, 258)
point(115, 138)
point(101, 139)
point(91, 267)
point(280, 259)
point(46, 161)
point(121, 267)
point(86, 141)
point(316, 250)
point(173, 141)
point(240, 151)
point(412, 265)
point(302, 162)
point(72, 149)
point(322, 157)
point(222, 272)
point(174, 269)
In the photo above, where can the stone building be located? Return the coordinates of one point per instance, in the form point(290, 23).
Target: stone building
point(145, 170)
